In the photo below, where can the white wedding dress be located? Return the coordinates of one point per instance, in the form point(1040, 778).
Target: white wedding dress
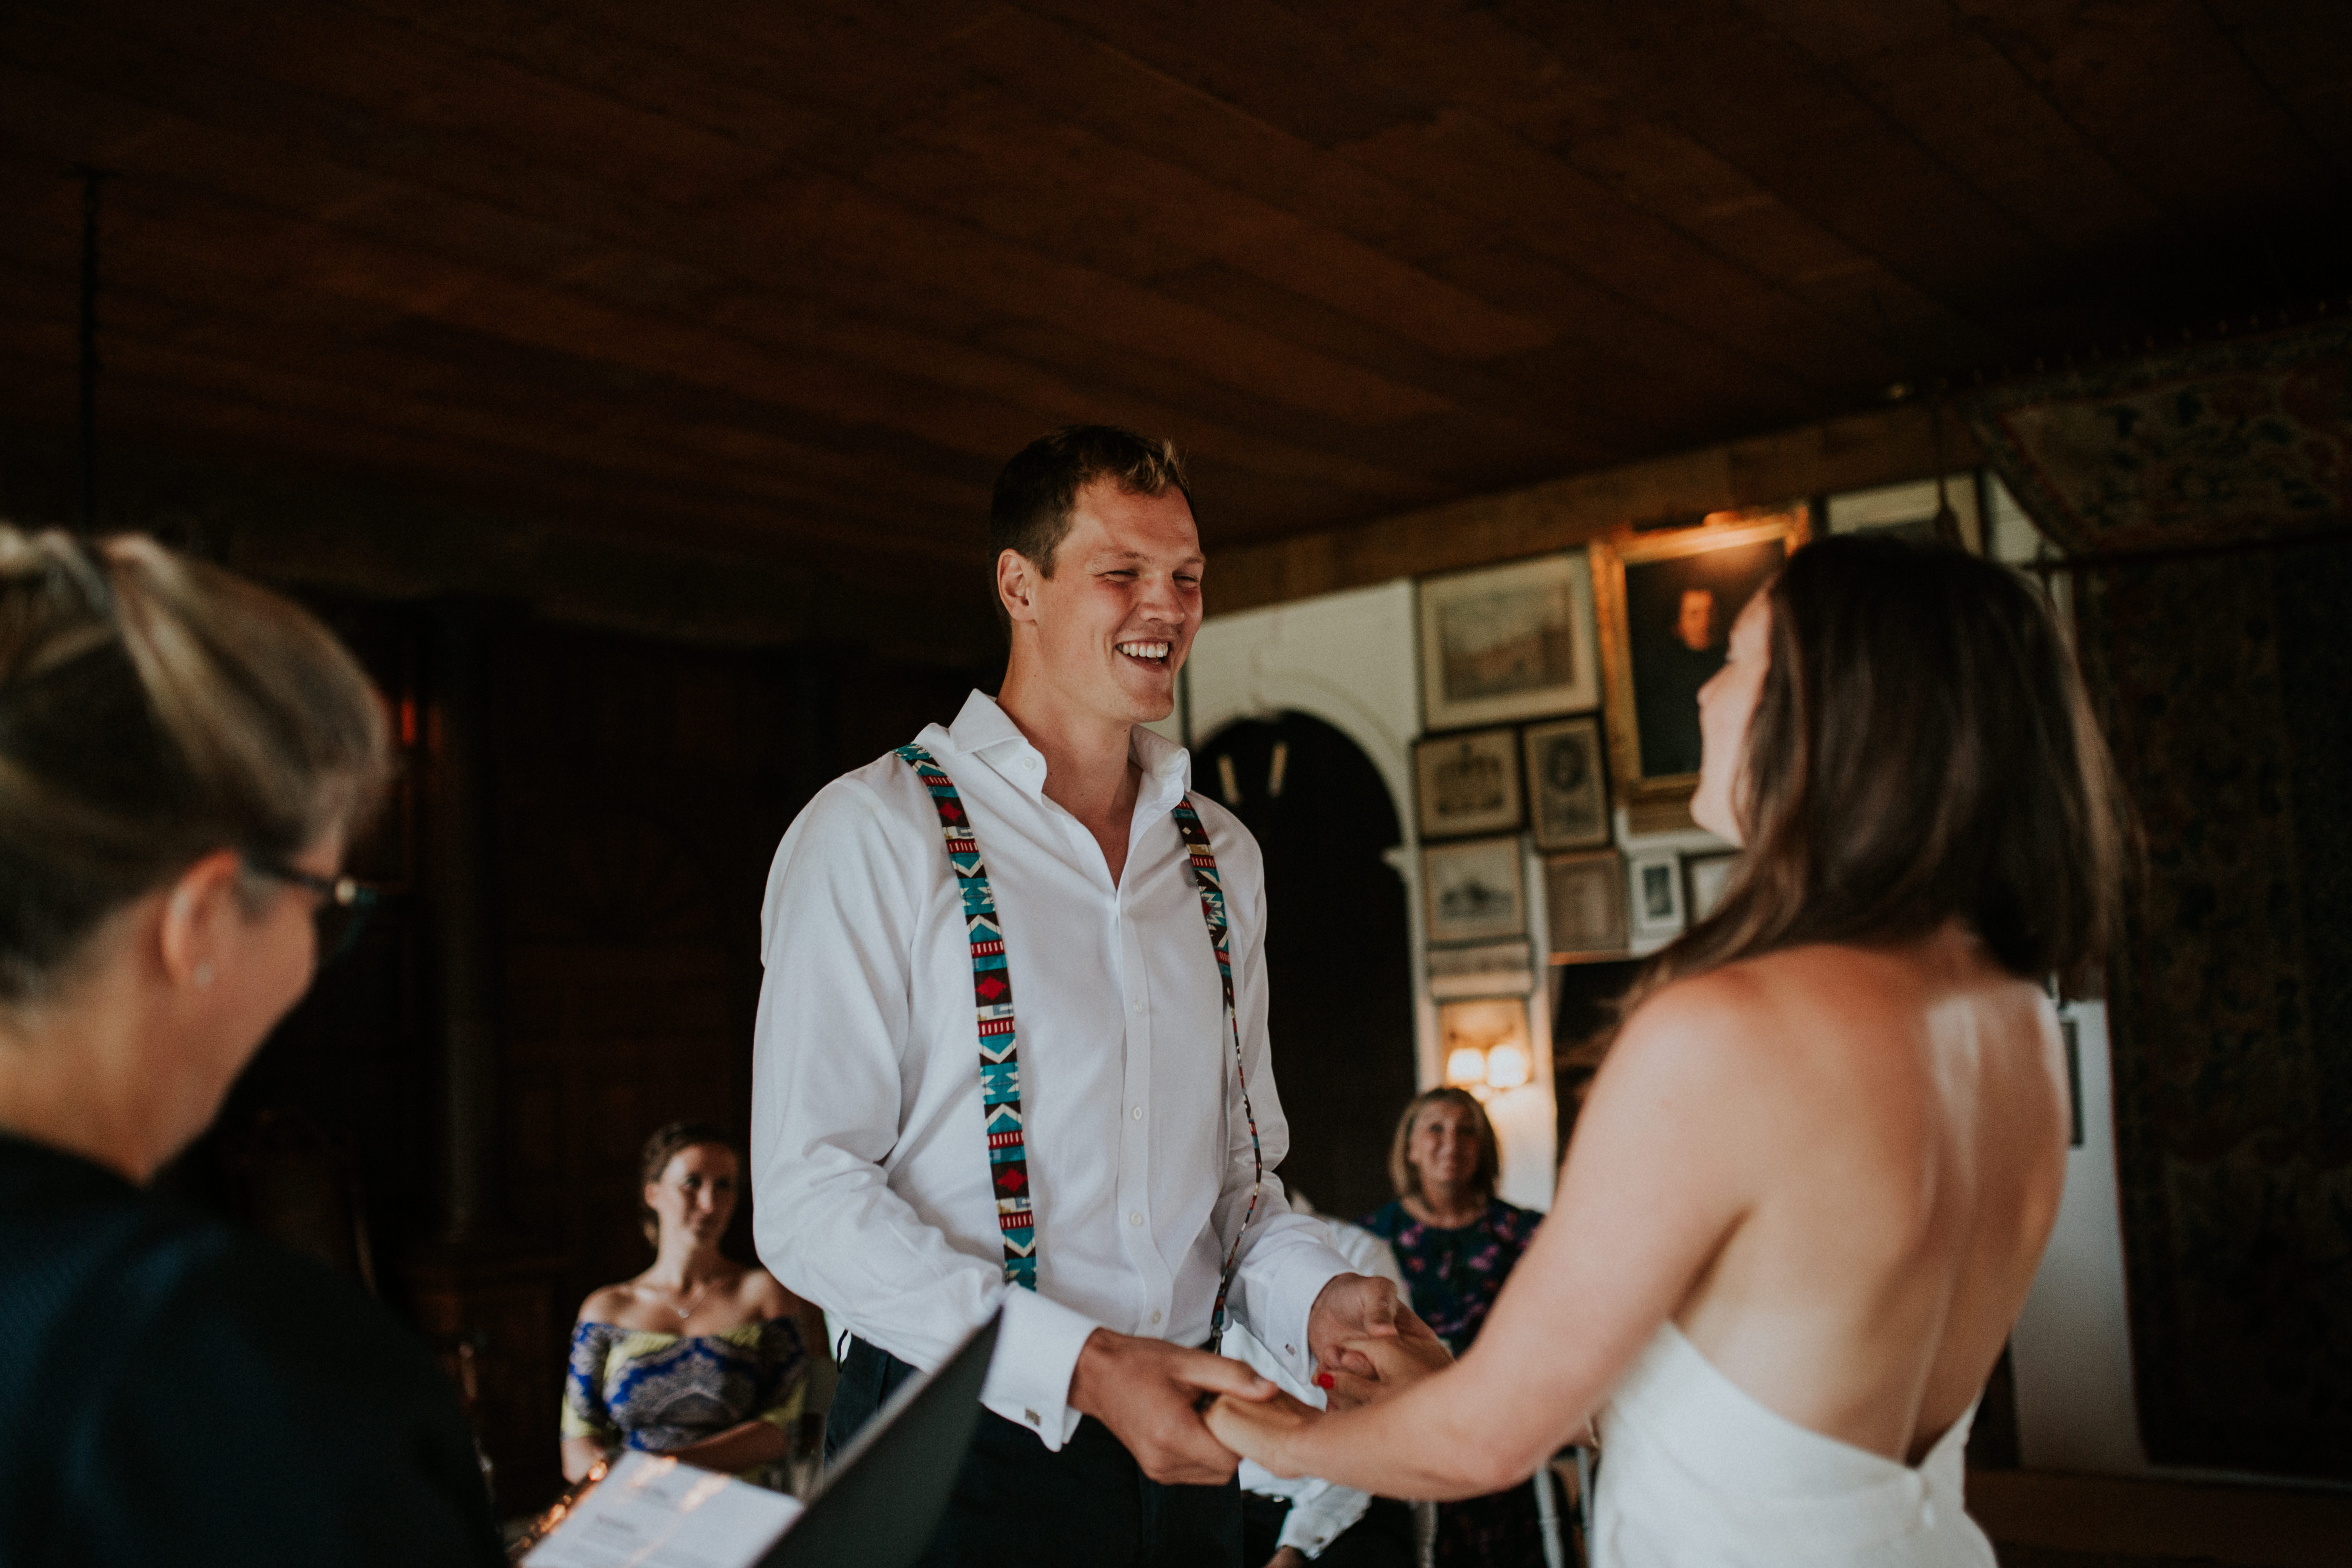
point(1696, 1474)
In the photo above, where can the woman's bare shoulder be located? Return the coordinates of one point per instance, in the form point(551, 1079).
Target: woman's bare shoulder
point(607, 1303)
point(759, 1291)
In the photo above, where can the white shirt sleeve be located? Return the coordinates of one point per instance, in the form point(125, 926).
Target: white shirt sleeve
point(837, 934)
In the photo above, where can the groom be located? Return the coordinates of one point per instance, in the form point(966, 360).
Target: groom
point(1119, 1199)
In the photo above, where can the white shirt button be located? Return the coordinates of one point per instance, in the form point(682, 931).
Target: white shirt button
point(1135, 1216)
point(1030, 764)
point(1137, 1113)
point(1155, 1317)
point(1137, 1004)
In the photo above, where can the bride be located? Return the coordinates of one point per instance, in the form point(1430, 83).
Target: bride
point(1812, 1182)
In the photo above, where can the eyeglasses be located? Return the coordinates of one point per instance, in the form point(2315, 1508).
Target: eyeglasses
point(344, 903)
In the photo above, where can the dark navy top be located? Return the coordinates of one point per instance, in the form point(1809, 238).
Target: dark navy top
point(172, 1390)
point(1453, 1276)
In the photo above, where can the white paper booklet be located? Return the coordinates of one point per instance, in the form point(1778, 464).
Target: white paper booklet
point(653, 1512)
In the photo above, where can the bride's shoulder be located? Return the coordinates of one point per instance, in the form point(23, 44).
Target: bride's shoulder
point(1750, 1017)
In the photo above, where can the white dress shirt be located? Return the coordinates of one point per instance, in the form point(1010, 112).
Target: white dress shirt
point(868, 1151)
point(1320, 1511)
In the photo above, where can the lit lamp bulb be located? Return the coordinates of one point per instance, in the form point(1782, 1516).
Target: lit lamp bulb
point(1465, 1064)
point(1506, 1067)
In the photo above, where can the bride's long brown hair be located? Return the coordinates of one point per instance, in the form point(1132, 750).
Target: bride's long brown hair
point(1921, 751)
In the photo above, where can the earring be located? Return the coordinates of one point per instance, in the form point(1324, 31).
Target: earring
point(204, 975)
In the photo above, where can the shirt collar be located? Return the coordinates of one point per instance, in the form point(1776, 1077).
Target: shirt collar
point(983, 730)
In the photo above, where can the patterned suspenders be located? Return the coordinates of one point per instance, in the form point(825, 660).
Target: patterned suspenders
point(999, 1062)
point(992, 997)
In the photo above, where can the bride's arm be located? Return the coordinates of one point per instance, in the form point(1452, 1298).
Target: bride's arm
point(1668, 1153)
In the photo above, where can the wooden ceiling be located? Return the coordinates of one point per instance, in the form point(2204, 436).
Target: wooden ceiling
point(795, 279)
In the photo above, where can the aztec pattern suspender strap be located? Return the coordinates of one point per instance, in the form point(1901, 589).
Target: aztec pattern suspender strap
point(992, 996)
point(1212, 910)
point(999, 1062)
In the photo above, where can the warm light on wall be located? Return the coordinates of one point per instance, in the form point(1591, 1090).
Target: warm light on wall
point(1489, 1071)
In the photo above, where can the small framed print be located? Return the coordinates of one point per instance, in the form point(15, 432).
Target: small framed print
point(1468, 784)
point(1704, 877)
point(1489, 969)
point(1657, 889)
point(1568, 793)
point(1584, 898)
point(1508, 642)
point(1475, 889)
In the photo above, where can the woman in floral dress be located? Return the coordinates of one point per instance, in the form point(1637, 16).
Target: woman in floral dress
point(1456, 1242)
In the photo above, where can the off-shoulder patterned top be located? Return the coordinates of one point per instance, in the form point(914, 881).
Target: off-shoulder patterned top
point(640, 1388)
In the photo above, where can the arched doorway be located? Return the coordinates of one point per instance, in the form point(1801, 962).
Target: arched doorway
point(1338, 954)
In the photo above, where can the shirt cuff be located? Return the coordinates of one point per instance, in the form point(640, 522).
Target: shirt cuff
point(1286, 1292)
point(1314, 1522)
point(1037, 1346)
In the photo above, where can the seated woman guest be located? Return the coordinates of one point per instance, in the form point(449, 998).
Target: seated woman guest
point(1815, 1174)
point(698, 1357)
point(1456, 1242)
point(183, 757)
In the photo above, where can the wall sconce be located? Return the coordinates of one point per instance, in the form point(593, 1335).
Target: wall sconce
point(1489, 1072)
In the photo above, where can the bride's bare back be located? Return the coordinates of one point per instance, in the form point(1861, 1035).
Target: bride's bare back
point(1903, 1120)
point(1828, 1145)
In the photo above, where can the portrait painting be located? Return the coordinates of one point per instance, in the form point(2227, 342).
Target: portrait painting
point(1474, 891)
point(1668, 606)
point(1468, 784)
point(1568, 792)
point(1584, 905)
point(1508, 642)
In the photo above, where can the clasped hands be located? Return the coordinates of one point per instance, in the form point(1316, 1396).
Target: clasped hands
point(1188, 1416)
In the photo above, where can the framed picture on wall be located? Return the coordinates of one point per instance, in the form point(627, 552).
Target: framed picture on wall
point(1488, 969)
point(1657, 891)
point(1568, 793)
point(1666, 604)
point(1508, 642)
point(1584, 898)
point(1704, 878)
point(1475, 889)
point(1468, 784)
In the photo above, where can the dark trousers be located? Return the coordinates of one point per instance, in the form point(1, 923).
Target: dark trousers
point(1381, 1539)
point(1017, 1505)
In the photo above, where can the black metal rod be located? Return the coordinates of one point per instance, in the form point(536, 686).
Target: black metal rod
point(2074, 564)
point(90, 181)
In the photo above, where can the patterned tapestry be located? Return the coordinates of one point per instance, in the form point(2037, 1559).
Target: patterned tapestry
point(2222, 659)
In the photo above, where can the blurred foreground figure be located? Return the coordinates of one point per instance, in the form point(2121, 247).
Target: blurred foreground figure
point(183, 757)
point(1815, 1175)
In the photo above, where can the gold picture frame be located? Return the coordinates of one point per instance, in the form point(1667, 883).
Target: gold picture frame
point(1651, 673)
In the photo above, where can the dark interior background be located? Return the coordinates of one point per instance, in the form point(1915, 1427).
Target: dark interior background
point(1336, 955)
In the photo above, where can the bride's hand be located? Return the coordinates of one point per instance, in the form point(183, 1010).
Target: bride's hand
point(1398, 1361)
point(1261, 1429)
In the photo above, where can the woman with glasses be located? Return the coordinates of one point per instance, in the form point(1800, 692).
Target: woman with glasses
point(183, 758)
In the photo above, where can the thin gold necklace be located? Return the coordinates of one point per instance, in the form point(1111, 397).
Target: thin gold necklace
point(691, 1301)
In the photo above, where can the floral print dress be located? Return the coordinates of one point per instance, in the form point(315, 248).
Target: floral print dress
point(1453, 1276)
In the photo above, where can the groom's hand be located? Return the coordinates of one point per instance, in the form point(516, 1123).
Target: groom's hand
point(1149, 1394)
